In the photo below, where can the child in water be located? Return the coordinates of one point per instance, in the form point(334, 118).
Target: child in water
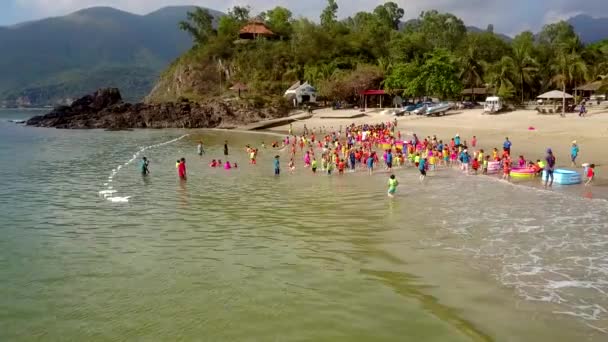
point(422, 168)
point(292, 166)
point(227, 166)
point(506, 168)
point(392, 186)
point(590, 174)
point(486, 161)
point(341, 166)
point(522, 162)
point(181, 169)
point(314, 165)
point(475, 165)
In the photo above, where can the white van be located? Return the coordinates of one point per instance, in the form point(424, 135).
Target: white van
point(493, 104)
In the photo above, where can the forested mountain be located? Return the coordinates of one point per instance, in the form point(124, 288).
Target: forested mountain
point(434, 55)
point(54, 59)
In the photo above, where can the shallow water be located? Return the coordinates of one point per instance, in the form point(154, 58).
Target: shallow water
point(243, 255)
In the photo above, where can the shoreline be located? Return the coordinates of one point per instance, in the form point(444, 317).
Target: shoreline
point(530, 133)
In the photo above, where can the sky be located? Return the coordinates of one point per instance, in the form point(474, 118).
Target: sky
point(507, 16)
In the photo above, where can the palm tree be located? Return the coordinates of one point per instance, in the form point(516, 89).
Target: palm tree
point(472, 70)
point(567, 67)
point(578, 70)
point(501, 75)
point(524, 66)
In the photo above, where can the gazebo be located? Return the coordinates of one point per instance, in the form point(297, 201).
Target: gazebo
point(556, 95)
point(255, 29)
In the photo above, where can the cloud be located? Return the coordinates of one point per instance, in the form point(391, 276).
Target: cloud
point(506, 16)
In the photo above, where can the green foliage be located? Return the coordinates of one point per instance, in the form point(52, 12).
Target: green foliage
point(441, 30)
point(228, 26)
point(403, 79)
point(280, 19)
point(199, 25)
point(389, 14)
point(241, 14)
point(439, 75)
point(329, 15)
point(436, 76)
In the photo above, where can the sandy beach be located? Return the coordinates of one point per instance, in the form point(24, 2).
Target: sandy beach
point(554, 131)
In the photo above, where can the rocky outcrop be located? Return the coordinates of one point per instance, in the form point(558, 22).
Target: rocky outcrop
point(105, 109)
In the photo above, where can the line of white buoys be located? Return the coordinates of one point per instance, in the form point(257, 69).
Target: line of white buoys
point(109, 193)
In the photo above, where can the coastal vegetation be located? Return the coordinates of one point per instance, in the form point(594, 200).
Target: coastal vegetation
point(433, 55)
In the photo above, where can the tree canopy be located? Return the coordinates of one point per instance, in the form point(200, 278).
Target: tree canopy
point(433, 55)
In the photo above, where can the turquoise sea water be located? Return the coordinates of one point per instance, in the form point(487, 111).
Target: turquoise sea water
point(243, 255)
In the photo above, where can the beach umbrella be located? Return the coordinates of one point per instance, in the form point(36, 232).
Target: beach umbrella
point(555, 94)
point(238, 86)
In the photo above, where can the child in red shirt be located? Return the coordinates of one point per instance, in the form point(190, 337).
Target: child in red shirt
point(475, 165)
point(506, 166)
point(590, 174)
point(341, 166)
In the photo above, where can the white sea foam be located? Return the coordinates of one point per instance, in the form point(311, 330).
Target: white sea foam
point(549, 246)
point(119, 199)
point(108, 193)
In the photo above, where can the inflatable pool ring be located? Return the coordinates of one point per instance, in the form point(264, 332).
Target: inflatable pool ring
point(522, 173)
point(564, 177)
point(493, 167)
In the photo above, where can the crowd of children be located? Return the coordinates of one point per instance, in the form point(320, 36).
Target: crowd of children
point(367, 147)
point(360, 147)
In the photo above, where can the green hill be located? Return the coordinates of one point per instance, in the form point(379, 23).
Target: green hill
point(48, 61)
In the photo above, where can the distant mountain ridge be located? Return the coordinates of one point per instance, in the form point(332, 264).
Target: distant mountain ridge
point(57, 59)
point(590, 29)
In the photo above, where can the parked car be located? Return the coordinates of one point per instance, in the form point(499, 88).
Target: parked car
point(468, 105)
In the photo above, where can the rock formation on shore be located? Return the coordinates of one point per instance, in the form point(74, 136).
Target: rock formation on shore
point(105, 109)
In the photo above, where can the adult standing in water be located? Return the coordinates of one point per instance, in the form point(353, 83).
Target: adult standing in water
point(199, 149)
point(507, 146)
point(277, 166)
point(226, 147)
point(550, 167)
point(144, 166)
point(181, 169)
